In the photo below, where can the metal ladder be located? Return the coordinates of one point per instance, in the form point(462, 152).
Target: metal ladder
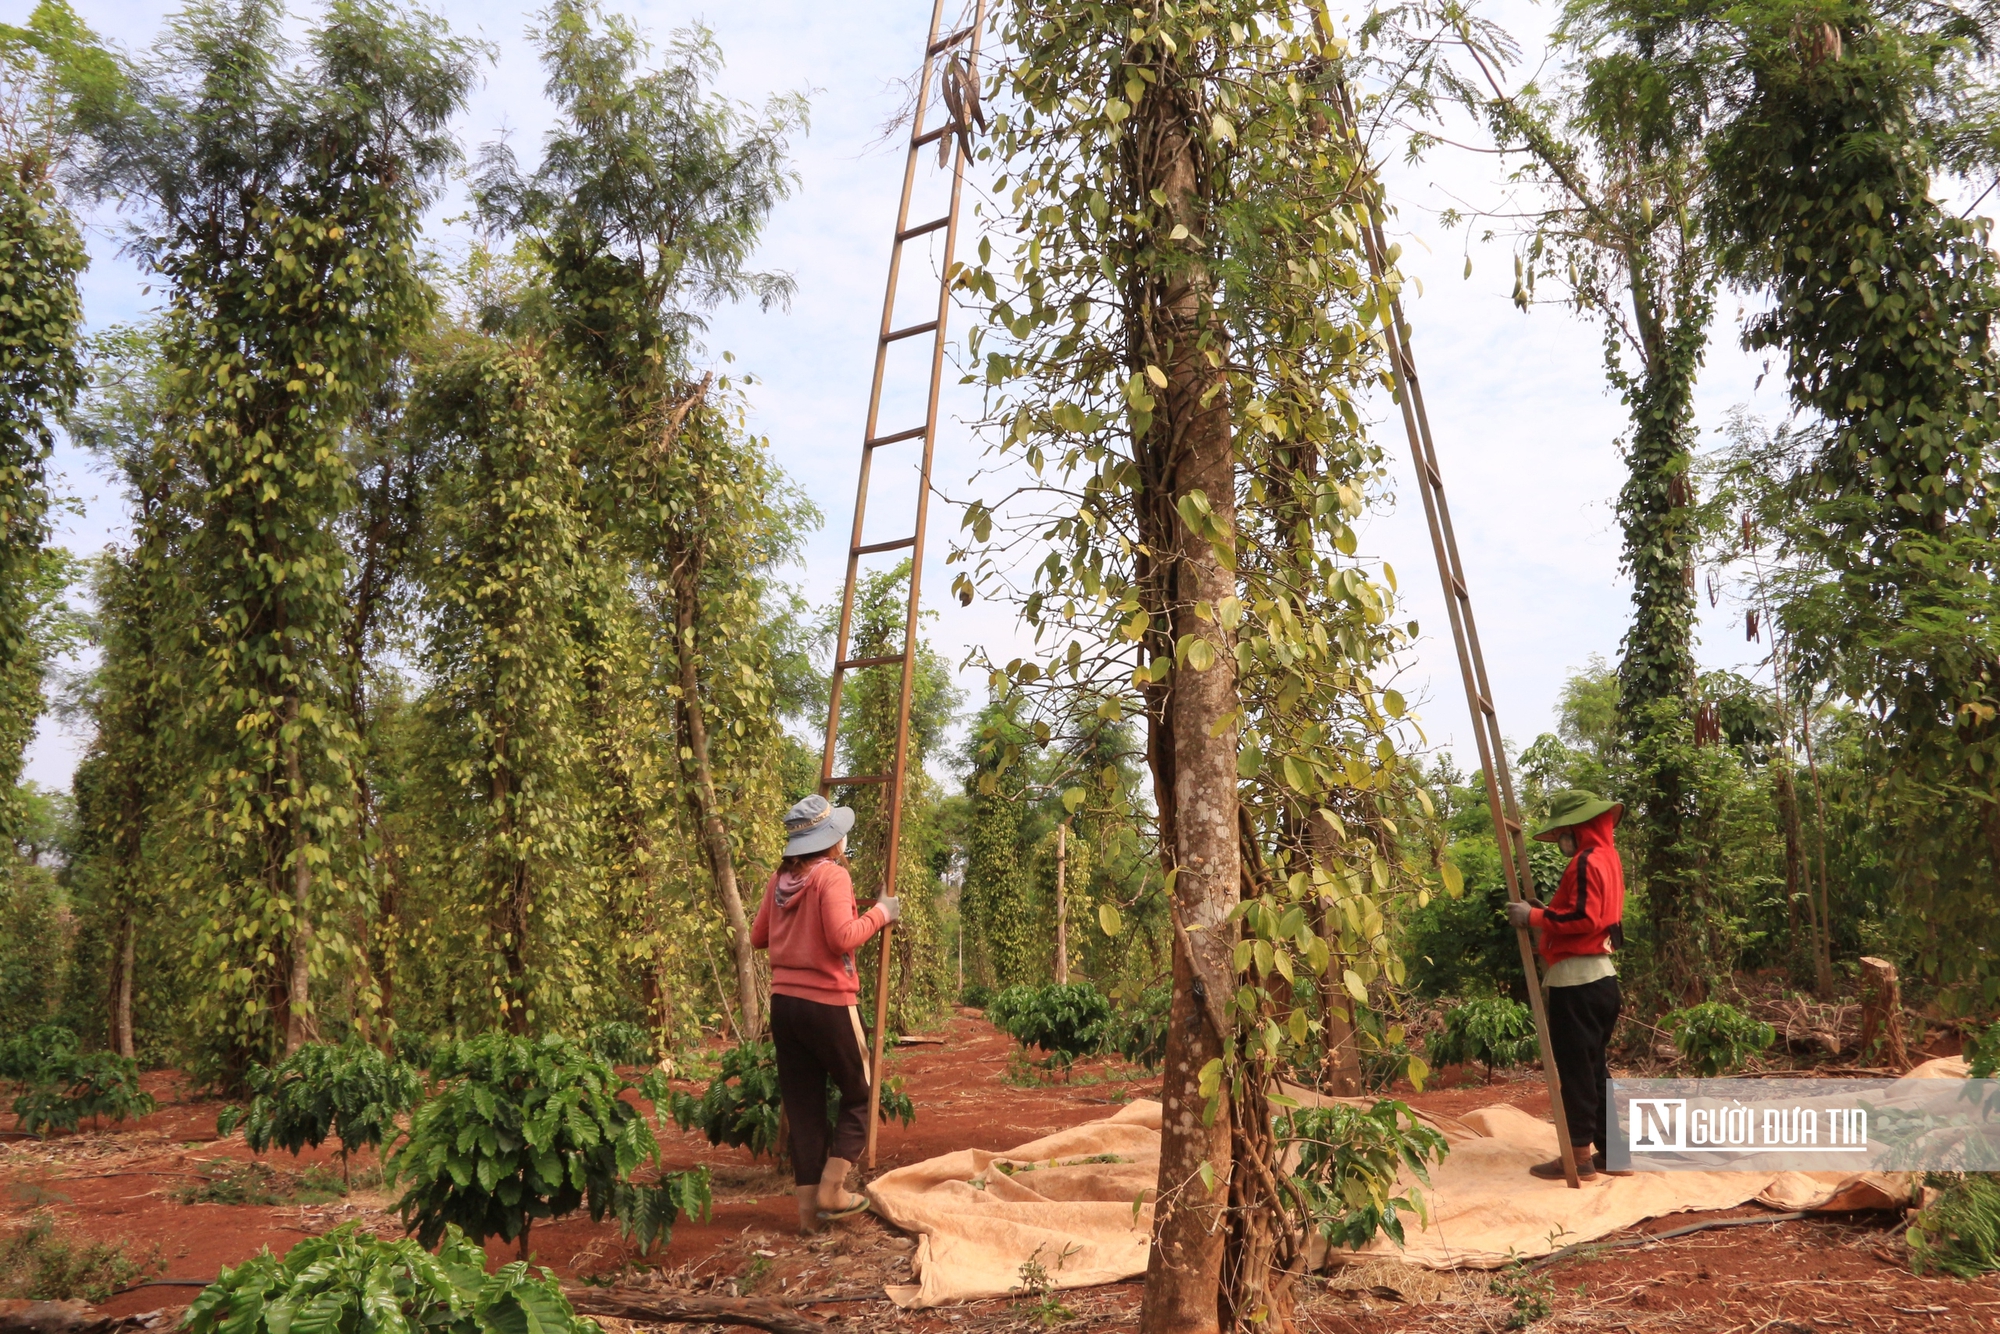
point(1465, 632)
point(950, 71)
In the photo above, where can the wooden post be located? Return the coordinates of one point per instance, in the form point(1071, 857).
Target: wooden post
point(1062, 905)
point(1882, 1014)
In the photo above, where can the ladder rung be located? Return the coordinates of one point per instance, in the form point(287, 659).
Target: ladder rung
point(1485, 705)
point(922, 229)
point(932, 136)
point(874, 547)
point(1432, 473)
point(914, 433)
point(883, 661)
point(857, 780)
point(1458, 587)
point(911, 332)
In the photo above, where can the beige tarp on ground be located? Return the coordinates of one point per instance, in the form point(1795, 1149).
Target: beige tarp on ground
point(1067, 1205)
point(1070, 1202)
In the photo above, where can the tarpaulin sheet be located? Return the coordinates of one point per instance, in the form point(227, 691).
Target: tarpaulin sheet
point(1078, 1203)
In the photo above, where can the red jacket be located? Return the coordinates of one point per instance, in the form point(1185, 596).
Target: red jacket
point(1579, 919)
point(807, 921)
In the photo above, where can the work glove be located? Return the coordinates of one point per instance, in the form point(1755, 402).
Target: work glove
point(892, 908)
point(1517, 914)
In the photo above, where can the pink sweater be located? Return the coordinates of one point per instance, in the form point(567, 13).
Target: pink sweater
point(808, 923)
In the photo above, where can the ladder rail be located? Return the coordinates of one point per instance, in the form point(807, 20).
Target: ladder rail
point(1465, 631)
point(901, 765)
point(893, 782)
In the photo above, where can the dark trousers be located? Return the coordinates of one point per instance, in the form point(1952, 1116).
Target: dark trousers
point(816, 1042)
point(1580, 1024)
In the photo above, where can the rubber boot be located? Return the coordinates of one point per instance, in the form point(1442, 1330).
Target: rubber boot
point(1552, 1170)
point(809, 1210)
point(834, 1201)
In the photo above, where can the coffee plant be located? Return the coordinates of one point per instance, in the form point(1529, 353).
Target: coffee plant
point(70, 1087)
point(1348, 1161)
point(1958, 1232)
point(1066, 1020)
point(1140, 1032)
point(1496, 1032)
point(1982, 1054)
point(352, 1092)
point(525, 1129)
point(1716, 1037)
point(24, 1058)
point(741, 1106)
point(621, 1043)
point(351, 1280)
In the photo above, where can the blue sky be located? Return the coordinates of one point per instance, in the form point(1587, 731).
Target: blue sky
point(1524, 424)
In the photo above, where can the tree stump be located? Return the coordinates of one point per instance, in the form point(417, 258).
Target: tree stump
point(1882, 1015)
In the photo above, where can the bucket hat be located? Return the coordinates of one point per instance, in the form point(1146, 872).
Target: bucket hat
point(814, 825)
point(1574, 806)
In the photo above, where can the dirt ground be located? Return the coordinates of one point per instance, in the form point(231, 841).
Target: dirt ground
point(122, 1185)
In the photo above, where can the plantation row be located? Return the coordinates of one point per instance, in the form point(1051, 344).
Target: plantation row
point(448, 684)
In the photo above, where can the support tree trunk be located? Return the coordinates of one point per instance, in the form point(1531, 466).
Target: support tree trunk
point(299, 1026)
point(1341, 1069)
point(707, 809)
point(1657, 674)
point(1188, 479)
point(1823, 945)
point(121, 983)
point(515, 896)
point(1062, 905)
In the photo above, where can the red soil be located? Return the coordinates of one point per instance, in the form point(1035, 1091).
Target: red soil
point(119, 1185)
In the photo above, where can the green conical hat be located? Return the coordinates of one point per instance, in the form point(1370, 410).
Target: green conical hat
point(1574, 806)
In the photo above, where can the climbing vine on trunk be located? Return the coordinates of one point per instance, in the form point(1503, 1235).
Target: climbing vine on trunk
point(649, 197)
point(1834, 125)
point(281, 203)
point(506, 563)
point(1177, 335)
point(1616, 234)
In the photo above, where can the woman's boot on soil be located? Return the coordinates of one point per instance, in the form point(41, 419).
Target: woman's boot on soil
point(834, 1201)
point(809, 1210)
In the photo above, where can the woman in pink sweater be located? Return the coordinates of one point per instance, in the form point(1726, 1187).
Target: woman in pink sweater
point(807, 921)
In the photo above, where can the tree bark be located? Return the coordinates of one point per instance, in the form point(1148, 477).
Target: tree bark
point(21, 1316)
point(1341, 1070)
point(1823, 956)
point(1882, 1015)
point(121, 984)
point(515, 893)
point(1187, 463)
point(1785, 797)
point(299, 1026)
point(707, 808)
point(1062, 905)
point(1798, 869)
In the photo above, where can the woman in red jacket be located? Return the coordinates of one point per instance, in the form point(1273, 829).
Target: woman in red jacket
point(1579, 929)
point(808, 922)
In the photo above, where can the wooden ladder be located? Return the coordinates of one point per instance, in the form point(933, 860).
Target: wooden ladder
point(950, 72)
point(1464, 631)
